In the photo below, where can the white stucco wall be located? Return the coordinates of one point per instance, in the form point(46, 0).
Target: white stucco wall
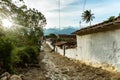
point(71, 53)
point(100, 48)
point(59, 50)
point(49, 43)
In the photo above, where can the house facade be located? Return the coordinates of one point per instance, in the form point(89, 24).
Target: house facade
point(99, 45)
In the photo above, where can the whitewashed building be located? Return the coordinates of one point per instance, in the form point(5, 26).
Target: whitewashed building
point(99, 45)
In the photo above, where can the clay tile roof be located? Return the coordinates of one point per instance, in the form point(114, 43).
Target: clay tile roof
point(101, 27)
point(66, 36)
point(60, 43)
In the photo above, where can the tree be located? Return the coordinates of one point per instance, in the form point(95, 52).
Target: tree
point(87, 16)
point(31, 20)
point(22, 37)
point(52, 35)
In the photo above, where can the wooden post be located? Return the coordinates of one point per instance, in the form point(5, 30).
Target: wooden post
point(64, 50)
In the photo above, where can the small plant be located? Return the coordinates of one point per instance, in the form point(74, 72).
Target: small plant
point(111, 18)
point(119, 15)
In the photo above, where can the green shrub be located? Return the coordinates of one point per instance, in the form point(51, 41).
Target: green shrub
point(36, 49)
point(119, 15)
point(111, 18)
point(15, 58)
point(23, 56)
point(12, 56)
point(19, 56)
point(33, 53)
point(6, 48)
point(27, 55)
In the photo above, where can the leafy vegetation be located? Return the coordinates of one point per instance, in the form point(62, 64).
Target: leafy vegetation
point(51, 35)
point(19, 43)
point(119, 15)
point(5, 53)
point(27, 55)
point(87, 16)
point(111, 18)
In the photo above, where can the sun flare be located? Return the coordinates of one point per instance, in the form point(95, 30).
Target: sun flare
point(6, 23)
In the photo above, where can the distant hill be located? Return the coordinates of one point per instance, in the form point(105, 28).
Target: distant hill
point(56, 31)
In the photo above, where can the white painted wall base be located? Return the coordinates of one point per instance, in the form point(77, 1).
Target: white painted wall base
point(70, 53)
point(49, 43)
point(101, 48)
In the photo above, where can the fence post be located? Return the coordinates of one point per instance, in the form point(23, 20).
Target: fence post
point(64, 50)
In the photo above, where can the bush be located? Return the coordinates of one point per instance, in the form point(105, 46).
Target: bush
point(6, 48)
point(27, 55)
point(12, 56)
point(32, 54)
point(16, 59)
point(36, 49)
point(111, 18)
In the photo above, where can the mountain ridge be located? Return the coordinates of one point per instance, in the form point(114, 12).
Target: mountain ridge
point(57, 31)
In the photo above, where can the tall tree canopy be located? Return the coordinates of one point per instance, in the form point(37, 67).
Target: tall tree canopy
point(31, 20)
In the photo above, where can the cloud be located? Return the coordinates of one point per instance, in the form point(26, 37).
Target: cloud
point(102, 11)
point(71, 10)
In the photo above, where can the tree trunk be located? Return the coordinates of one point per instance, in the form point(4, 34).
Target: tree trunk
point(90, 23)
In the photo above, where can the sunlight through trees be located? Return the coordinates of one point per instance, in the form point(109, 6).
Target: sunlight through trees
point(21, 29)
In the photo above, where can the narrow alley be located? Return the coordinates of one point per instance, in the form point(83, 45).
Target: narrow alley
point(57, 67)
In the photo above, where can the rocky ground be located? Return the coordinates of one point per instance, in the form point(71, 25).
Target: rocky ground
point(56, 67)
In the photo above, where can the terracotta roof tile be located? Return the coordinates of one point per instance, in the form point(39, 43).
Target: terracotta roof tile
point(101, 27)
point(60, 43)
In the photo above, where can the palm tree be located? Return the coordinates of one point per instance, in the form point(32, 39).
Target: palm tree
point(87, 16)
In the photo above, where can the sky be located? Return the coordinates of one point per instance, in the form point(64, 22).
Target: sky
point(71, 10)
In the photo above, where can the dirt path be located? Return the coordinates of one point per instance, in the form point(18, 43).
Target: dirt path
point(57, 67)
